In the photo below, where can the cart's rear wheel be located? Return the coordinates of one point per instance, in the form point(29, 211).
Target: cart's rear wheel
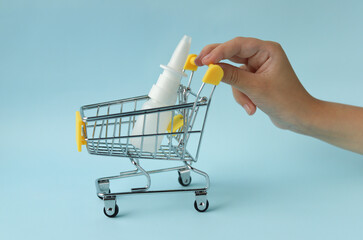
point(185, 182)
point(109, 191)
point(202, 207)
point(114, 214)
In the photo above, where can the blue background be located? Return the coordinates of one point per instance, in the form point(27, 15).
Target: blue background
point(266, 183)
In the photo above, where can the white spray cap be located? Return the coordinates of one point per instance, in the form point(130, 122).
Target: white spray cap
point(180, 54)
point(165, 90)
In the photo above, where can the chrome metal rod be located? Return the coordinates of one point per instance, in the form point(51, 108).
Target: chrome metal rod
point(147, 157)
point(103, 121)
point(119, 130)
point(145, 111)
point(114, 135)
point(94, 128)
point(133, 121)
point(190, 79)
point(102, 104)
point(109, 124)
point(132, 174)
point(108, 112)
point(145, 135)
point(171, 132)
point(195, 95)
point(204, 121)
point(157, 131)
point(135, 162)
point(154, 191)
point(127, 137)
point(197, 171)
point(193, 112)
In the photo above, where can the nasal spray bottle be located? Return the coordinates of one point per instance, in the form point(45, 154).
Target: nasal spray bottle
point(163, 93)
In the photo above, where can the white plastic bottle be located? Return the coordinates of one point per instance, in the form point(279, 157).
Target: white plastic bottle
point(163, 93)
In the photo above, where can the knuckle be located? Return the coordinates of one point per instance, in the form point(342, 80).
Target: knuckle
point(249, 42)
point(206, 49)
point(237, 39)
point(209, 47)
point(273, 46)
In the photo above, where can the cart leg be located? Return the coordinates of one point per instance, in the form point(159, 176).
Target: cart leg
point(135, 162)
point(184, 177)
point(111, 208)
point(102, 186)
point(205, 175)
point(201, 203)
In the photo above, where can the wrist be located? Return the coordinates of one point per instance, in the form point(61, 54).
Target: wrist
point(306, 119)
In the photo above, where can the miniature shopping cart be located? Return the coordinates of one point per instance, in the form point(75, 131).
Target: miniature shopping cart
point(105, 128)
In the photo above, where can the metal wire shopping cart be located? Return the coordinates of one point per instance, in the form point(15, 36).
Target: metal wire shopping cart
point(105, 128)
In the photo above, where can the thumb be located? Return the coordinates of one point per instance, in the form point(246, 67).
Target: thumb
point(237, 77)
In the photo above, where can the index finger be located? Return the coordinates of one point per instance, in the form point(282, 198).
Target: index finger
point(241, 47)
point(207, 49)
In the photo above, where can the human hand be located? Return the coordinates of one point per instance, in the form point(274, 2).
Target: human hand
point(265, 80)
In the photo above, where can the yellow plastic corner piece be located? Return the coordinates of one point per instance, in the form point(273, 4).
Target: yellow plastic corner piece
point(80, 139)
point(189, 63)
point(213, 75)
point(178, 123)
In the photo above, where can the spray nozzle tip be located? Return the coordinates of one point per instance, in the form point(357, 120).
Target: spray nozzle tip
point(180, 54)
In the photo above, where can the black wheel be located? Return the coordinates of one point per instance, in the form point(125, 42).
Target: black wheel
point(109, 191)
point(186, 181)
point(114, 214)
point(201, 208)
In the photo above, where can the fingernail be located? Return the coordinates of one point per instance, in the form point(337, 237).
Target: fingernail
point(247, 108)
point(197, 59)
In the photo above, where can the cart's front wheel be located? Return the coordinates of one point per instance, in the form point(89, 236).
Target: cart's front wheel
point(202, 206)
point(185, 181)
point(114, 214)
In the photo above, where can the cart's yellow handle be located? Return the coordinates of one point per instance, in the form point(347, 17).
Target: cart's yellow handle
point(80, 139)
point(189, 63)
point(213, 75)
point(178, 123)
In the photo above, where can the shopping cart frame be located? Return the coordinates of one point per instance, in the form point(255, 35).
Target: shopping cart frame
point(176, 148)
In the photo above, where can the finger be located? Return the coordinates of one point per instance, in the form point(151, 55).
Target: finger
point(205, 51)
point(241, 47)
point(237, 59)
point(244, 101)
point(237, 77)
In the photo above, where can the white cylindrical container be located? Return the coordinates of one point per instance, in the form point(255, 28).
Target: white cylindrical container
point(163, 93)
point(148, 144)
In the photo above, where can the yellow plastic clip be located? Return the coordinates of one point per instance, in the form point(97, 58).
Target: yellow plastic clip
point(178, 123)
point(213, 75)
point(189, 63)
point(80, 139)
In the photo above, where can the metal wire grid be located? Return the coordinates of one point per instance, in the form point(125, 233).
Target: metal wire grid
point(119, 150)
point(108, 131)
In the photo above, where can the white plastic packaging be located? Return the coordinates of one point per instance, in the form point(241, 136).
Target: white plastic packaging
point(163, 93)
